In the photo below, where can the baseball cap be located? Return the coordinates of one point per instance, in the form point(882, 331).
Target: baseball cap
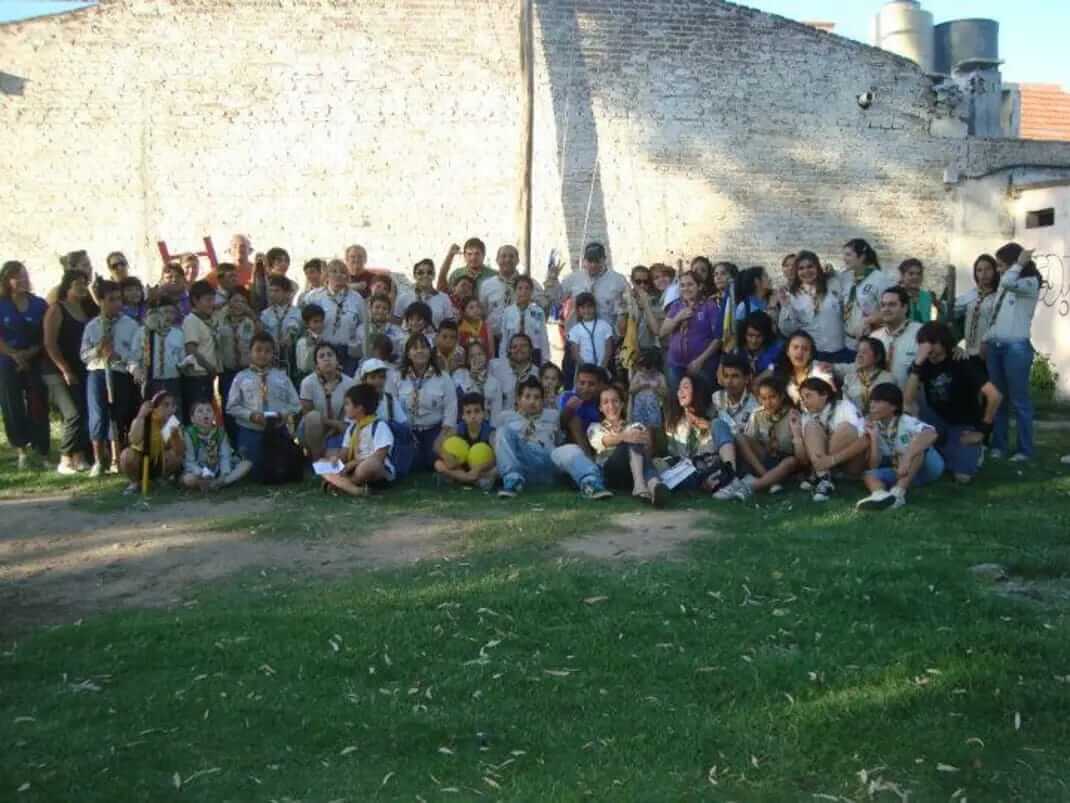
point(371, 366)
point(594, 252)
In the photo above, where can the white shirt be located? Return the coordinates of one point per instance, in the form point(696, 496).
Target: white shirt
point(440, 304)
point(835, 415)
point(282, 322)
point(593, 339)
point(314, 392)
point(861, 298)
point(596, 436)
point(609, 289)
point(490, 388)
point(496, 294)
point(503, 371)
point(894, 437)
point(901, 348)
point(824, 324)
point(543, 429)
point(429, 401)
point(369, 439)
point(532, 322)
point(343, 312)
point(1016, 303)
point(735, 415)
point(366, 331)
point(255, 391)
point(124, 331)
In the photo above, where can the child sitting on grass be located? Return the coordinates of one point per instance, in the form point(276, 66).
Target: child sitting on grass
point(157, 432)
point(525, 441)
point(467, 457)
point(902, 451)
point(209, 462)
point(367, 443)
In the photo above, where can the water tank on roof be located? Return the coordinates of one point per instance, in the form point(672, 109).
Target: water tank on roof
point(904, 28)
point(967, 44)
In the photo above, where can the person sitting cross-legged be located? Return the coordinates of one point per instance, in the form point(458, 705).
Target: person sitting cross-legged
point(772, 442)
point(833, 435)
point(367, 444)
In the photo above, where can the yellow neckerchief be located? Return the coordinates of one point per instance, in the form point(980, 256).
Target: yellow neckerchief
point(354, 440)
point(866, 380)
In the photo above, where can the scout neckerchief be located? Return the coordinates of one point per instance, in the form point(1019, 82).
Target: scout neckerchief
point(773, 443)
point(328, 391)
point(213, 327)
point(354, 440)
point(210, 443)
point(693, 431)
point(479, 379)
point(280, 319)
point(370, 331)
point(888, 432)
point(262, 377)
point(865, 379)
point(735, 409)
point(418, 383)
point(339, 302)
point(852, 295)
point(894, 340)
point(521, 375)
point(530, 423)
point(974, 320)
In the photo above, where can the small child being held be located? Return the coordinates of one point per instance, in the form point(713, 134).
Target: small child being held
point(367, 443)
point(209, 463)
point(468, 457)
point(590, 339)
point(473, 327)
point(648, 390)
point(552, 380)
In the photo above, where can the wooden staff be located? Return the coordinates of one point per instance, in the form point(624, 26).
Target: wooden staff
point(146, 457)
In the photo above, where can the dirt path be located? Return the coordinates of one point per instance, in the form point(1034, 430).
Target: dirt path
point(58, 563)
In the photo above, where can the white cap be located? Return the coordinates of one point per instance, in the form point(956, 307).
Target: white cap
point(371, 366)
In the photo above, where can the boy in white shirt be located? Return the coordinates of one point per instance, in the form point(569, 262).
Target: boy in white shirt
point(343, 310)
point(590, 338)
point(730, 410)
point(524, 317)
point(902, 451)
point(378, 323)
point(201, 333)
point(281, 321)
point(367, 443)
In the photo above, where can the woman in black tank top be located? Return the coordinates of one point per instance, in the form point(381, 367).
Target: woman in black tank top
point(64, 371)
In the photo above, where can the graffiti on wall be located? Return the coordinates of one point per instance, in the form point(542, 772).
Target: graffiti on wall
point(1055, 270)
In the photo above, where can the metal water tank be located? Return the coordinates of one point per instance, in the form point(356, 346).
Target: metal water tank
point(961, 43)
point(904, 28)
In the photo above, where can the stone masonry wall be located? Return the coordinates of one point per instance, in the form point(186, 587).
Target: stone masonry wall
point(666, 127)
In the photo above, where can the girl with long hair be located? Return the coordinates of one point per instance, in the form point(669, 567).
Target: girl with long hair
point(812, 305)
point(974, 308)
point(429, 398)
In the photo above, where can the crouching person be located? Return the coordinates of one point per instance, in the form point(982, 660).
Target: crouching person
point(525, 441)
point(772, 442)
point(209, 459)
point(902, 453)
point(623, 451)
point(156, 434)
point(468, 457)
point(367, 443)
point(833, 436)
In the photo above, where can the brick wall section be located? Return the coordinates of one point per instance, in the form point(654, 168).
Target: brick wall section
point(667, 127)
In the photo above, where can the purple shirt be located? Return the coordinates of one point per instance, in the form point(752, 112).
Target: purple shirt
point(691, 338)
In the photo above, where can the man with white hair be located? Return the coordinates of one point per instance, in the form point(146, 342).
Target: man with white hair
point(499, 291)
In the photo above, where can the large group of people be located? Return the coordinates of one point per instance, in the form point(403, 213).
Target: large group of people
point(700, 377)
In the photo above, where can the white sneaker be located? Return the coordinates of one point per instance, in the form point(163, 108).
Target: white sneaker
point(113, 468)
point(1065, 460)
point(823, 490)
point(900, 498)
point(1018, 457)
point(776, 489)
point(96, 470)
point(728, 492)
point(878, 500)
point(996, 454)
point(66, 470)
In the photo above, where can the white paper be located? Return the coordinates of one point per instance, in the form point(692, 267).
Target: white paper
point(271, 413)
point(322, 467)
point(169, 426)
point(677, 474)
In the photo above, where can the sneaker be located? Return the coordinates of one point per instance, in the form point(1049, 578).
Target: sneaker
point(1065, 460)
point(808, 484)
point(131, 489)
point(996, 454)
point(510, 488)
point(776, 489)
point(900, 498)
point(743, 491)
point(823, 490)
point(879, 500)
point(595, 490)
point(96, 470)
point(66, 470)
point(659, 495)
point(1018, 457)
point(113, 468)
point(728, 492)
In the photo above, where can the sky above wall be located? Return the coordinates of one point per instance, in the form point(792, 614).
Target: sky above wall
point(1032, 32)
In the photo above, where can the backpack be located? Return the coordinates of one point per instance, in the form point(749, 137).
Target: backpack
point(403, 453)
point(283, 460)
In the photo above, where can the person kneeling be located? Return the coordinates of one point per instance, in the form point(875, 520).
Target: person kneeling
point(155, 434)
point(367, 443)
point(209, 459)
point(833, 435)
point(901, 452)
point(772, 442)
point(468, 457)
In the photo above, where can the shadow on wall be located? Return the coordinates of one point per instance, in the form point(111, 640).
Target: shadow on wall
point(716, 166)
point(12, 84)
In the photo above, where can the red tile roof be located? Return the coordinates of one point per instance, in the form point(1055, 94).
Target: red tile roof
point(1045, 112)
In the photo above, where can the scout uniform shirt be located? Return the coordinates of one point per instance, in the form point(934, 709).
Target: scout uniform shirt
point(205, 335)
point(259, 391)
point(735, 415)
point(343, 312)
point(123, 331)
point(207, 450)
point(542, 429)
point(772, 431)
point(894, 437)
point(430, 400)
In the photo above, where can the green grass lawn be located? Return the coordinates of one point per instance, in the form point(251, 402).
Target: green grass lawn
point(798, 653)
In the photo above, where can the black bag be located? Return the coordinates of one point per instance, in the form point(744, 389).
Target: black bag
point(283, 461)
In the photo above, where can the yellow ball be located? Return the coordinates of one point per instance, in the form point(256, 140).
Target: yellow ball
point(480, 456)
point(457, 448)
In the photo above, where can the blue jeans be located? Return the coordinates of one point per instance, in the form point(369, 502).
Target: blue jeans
point(425, 448)
point(1009, 363)
point(251, 446)
point(522, 461)
point(722, 433)
point(102, 417)
point(958, 458)
point(931, 470)
point(570, 459)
